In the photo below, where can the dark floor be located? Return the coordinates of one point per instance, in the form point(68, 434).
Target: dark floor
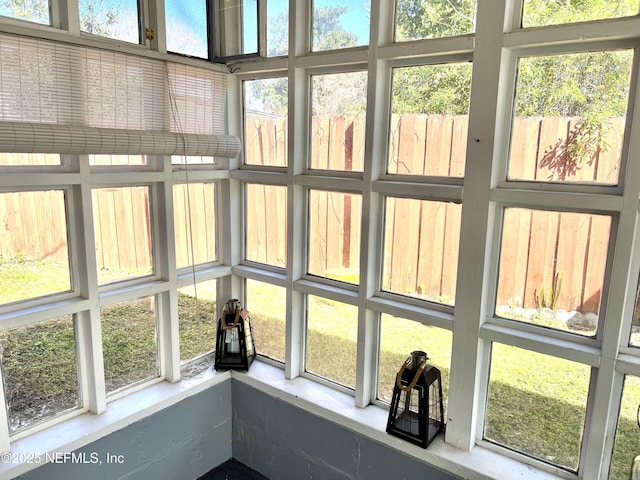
point(232, 470)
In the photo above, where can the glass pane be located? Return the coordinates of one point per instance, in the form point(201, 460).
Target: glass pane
point(277, 28)
point(194, 218)
point(266, 226)
point(117, 19)
point(569, 117)
point(129, 342)
point(187, 27)
point(250, 26)
point(34, 11)
point(39, 371)
point(192, 160)
point(334, 235)
point(421, 249)
point(117, 160)
point(332, 331)
point(265, 123)
point(338, 103)
point(554, 392)
point(398, 338)
point(340, 24)
point(627, 443)
point(429, 120)
point(197, 319)
point(122, 225)
point(552, 268)
point(23, 159)
point(34, 257)
point(267, 306)
point(416, 19)
point(551, 12)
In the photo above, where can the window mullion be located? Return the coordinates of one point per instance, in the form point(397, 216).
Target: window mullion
point(297, 254)
point(65, 15)
point(476, 223)
point(378, 88)
point(165, 255)
point(153, 16)
point(88, 326)
point(619, 304)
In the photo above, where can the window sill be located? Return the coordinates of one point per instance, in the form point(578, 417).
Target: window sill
point(337, 407)
point(31, 451)
point(320, 400)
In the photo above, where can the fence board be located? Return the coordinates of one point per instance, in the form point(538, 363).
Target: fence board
point(421, 243)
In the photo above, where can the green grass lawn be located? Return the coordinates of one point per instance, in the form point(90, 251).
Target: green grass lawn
point(536, 403)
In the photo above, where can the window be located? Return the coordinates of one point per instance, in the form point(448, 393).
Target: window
point(129, 342)
point(337, 126)
point(266, 235)
point(537, 404)
point(416, 19)
point(331, 340)
point(552, 268)
point(627, 443)
point(267, 307)
point(102, 160)
point(277, 28)
point(546, 12)
point(398, 338)
point(187, 28)
point(429, 121)
point(34, 254)
point(35, 11)
point(334, 235)
point(25, 159)
point(197, 316)
point(117, 19)
point(39, 371)
point(421, 249)
point(336, 25)
point(194, 222)
point(265, 129)
point(569, 117)
point(122, 223)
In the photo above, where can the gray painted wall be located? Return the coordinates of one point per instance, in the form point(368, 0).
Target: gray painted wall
point(183, 441)
point(285, 442)
point(267, 434)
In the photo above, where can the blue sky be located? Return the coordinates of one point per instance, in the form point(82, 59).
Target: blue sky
point(356, 20)
point(191, 13)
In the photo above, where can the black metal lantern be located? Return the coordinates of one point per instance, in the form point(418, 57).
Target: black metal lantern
point(417, 413)
point(234, 338)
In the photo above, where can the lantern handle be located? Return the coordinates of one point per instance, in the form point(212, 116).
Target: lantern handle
point(415, 377)
point(236, 320)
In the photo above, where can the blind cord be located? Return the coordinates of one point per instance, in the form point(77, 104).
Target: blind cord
point(176, 119)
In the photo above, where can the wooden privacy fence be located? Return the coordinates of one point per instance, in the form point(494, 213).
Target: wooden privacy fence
point(421, 237)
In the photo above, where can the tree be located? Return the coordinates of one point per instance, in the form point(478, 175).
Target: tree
point(31, 10)
point(416, 19)
point(331, 94)
point(95, 16)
